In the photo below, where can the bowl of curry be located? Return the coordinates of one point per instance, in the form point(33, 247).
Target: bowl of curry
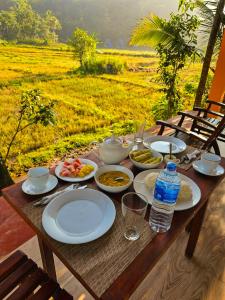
point(113, 178)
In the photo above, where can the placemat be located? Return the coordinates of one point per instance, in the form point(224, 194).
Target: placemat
point(99, 262)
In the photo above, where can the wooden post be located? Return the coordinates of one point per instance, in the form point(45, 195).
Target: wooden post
point(5, 178)
point(209, 53)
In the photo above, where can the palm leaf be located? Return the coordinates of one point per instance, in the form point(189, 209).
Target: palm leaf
point(207, 10)
point(151, 31)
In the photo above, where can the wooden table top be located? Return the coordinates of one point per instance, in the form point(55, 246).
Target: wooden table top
point(133, 275)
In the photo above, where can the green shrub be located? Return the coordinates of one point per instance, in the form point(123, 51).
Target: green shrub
point(34, 42)
point(160, 109)
point(103, 66)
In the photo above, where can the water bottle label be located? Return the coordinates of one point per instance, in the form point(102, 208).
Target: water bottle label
point(166, 192)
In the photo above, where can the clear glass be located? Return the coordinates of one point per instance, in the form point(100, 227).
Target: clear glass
point(139, 132)
point(134, 207)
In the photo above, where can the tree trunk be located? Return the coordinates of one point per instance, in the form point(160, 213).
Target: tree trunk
point(209, 53)
point(5, 178)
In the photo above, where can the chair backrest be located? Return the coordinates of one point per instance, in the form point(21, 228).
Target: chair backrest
point(30, 281)
point(212, 139)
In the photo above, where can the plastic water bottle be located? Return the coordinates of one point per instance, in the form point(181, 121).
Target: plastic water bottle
point(166, 191)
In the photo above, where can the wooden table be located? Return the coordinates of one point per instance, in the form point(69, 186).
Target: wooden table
point(125, 284)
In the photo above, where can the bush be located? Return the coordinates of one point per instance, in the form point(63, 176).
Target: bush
point(34, 42)
point(160, 109)
point(103, 66)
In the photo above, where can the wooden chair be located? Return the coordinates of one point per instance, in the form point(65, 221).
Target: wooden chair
point(211, 117)
point(20, 278)
point(207, 139)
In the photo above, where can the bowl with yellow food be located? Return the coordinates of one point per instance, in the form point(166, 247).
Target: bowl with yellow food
point(113, 178)
point(146, 158)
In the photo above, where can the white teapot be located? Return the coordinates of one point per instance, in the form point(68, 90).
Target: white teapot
point(113, 150)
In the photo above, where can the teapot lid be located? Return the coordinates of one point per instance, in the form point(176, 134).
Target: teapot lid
point(112, 140)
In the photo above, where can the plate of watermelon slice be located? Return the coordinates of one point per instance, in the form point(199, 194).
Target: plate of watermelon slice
point(76, 170)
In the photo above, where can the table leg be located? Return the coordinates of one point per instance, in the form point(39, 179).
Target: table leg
point(47, 259)
point(195, 227)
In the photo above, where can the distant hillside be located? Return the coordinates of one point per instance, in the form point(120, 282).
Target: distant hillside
point(111, 20)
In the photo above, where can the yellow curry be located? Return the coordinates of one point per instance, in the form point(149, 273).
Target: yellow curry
point(114, 178)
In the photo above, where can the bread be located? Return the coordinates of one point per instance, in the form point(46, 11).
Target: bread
point(185, 193)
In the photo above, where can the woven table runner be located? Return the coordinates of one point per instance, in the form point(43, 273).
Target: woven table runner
point(99, 262)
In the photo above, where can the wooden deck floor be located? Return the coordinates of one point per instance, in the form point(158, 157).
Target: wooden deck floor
point(174, 277)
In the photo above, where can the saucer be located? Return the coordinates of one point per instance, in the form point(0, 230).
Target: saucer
point(30, 190)
point(199, 167)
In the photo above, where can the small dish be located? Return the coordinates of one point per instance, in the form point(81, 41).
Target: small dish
point(173, 158)
point(77, 179)
point(199, 167)
point(29, 189)
point(147, 166)
point(109, 168)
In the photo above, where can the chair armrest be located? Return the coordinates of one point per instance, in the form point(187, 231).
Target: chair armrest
point(206, 111)
point(164, 124)
point(197, 118)
point(216, 103)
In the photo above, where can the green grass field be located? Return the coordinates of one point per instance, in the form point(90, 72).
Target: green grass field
point(86, 105)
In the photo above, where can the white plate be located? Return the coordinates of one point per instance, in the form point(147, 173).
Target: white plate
point(29, 189)
point(77, 179)
point(161, 144)
point(141, 188)
point(199, 167)
point(79, 216)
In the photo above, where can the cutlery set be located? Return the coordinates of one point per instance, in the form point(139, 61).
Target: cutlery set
point(45, 200)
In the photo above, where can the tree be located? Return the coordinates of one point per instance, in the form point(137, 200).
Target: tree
point(213, 38)
point(34, 109)
point(175, 41)
point(22, 23)
point(84, 45)
point(49, 27)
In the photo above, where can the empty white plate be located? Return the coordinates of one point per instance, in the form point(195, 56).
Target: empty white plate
point(29, 189)
point(79, 216)
point(161, 144)
point(140, 187)
point(199, 167)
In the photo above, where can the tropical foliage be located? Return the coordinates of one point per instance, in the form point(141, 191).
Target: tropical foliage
point(23, 24)
point(175, 41)
point(33, 110)
point(84, 46)
point(207, 11)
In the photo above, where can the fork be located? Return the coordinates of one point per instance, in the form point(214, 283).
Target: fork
point(46, 199)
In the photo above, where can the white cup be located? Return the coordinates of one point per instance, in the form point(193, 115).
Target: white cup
point(38, 177)
point(210, 161)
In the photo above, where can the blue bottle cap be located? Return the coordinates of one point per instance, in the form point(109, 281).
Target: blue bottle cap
point(171, 166)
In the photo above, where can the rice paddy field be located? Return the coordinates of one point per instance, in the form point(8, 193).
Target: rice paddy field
point(86, 106)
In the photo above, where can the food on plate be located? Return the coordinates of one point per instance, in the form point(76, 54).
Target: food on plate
point(114, 178)
point(185, 193)
point(144, 157)
point(75, 168)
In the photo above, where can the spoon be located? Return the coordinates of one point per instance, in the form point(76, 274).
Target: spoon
point(170, 150)
point(120, 179)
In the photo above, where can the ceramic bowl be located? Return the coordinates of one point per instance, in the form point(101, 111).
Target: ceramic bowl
point(173, 158)
point(147, 166)
point(113, 189)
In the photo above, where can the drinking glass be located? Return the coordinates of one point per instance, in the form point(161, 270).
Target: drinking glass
point(134, 207)
point(139, 132)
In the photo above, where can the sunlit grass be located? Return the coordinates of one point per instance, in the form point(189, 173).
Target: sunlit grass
point(86, 105)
